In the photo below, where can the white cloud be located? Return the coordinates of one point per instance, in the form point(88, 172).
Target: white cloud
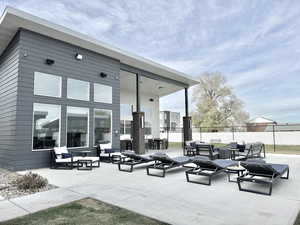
point(254, 43)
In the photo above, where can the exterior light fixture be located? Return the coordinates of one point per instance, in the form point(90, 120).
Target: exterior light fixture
point(151, 100)
point(78, 56)
point(103, 75)
point(49, 62)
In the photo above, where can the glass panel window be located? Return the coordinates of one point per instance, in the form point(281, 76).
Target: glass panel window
point(79, 90)
point(102, 126)
point(77, 127)
point(102, 93)
point(47, 85)
point(46, 126)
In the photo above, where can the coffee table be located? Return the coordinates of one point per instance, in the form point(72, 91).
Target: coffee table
point(84, 164)
point(239, 170)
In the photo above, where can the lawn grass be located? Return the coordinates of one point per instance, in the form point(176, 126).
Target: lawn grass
point(279, 149)
point(86, 211)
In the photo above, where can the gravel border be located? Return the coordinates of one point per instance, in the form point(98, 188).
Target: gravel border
point(9, 190)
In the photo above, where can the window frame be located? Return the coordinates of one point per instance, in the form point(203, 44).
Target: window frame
point(89, 90)
point(111, 124)
point(111, 100)
point(45, 95)
point(32, 124)
point(88, 128)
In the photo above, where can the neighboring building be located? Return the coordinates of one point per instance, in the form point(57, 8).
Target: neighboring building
point(63, 88)
point(260, 124)
point(169, 120)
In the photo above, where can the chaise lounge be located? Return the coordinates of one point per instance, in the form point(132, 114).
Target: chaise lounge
point(163, 163)
point(262, 173)
point(208, 168)
point(132, 159)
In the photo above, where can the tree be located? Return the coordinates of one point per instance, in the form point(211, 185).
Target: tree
point(216, 105)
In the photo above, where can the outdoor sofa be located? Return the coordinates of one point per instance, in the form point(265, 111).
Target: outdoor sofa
point(262, 173)
point(61, 158)
point(198, 148)
point(132, 159)
point(163, 162)
point(208, 168)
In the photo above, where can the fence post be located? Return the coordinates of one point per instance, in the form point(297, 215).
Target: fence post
point(200, 134)
point(274, 142)
point(232, 133)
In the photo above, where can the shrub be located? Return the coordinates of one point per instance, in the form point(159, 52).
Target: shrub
point(31, 181)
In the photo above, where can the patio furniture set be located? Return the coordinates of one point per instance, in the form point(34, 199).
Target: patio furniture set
point(232, 151)
point(249, 168)
point(201, 161)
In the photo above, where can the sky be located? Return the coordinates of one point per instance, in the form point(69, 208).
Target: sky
point(255, 44)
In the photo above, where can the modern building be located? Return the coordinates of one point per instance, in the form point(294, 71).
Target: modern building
point(169, 120)
point(63, 88)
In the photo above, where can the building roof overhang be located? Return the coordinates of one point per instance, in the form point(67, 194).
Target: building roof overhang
point(13, 19)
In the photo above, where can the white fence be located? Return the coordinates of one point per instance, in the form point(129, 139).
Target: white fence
point(281, 138)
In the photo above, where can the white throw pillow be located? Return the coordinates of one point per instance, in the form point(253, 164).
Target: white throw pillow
point(105, 146)
point(60, 150)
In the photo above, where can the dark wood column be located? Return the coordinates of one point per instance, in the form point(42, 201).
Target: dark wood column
point(187, 120)
point(138, 132)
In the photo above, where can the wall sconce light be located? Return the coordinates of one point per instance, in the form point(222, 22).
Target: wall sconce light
point(103, 75)
point(49, 62)
point(78, 57)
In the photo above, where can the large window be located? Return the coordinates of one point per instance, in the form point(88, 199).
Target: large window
point(79, 90)
point(46, 126)
point(102, 93)
point(77, 127)
point(102, 126)
point(47, 85)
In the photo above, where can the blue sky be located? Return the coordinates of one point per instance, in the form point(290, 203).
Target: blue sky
point(255, 44)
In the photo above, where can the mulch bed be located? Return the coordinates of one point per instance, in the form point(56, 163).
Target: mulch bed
point(8, 188)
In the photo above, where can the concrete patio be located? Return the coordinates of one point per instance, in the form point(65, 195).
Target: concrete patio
point(169, 199)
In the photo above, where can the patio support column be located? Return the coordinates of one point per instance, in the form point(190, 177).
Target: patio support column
point(138, 125)
point(187, 120)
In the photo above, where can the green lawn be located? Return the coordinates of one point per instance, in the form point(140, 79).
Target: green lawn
point(279, 149)
point(86, 211)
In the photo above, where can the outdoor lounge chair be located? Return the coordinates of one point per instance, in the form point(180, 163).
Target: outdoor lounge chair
point(133, 159)
point(163, 163)
point(62, 159)
point(262, 173)
point(207, 150)
point(107, 153)
point(208, 168)
point(252, 150)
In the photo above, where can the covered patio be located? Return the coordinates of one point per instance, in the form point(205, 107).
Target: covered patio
point(221, 203)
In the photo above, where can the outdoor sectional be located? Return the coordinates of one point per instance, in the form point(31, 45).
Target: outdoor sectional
point(132, 159)
point(163, 163)
point(208, 168)
point(262, 173)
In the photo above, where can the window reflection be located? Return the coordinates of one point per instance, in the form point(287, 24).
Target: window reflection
point(102, 126)
point(77, 127)
point(46, 126)
point(79, 90)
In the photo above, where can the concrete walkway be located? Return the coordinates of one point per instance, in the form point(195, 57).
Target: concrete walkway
point(21, 206)
point(169, 199)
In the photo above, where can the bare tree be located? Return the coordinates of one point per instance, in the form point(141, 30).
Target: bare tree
point(216, 105)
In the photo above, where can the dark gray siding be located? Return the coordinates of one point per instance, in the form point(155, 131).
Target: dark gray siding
point(38, 48)
point(9, 62)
